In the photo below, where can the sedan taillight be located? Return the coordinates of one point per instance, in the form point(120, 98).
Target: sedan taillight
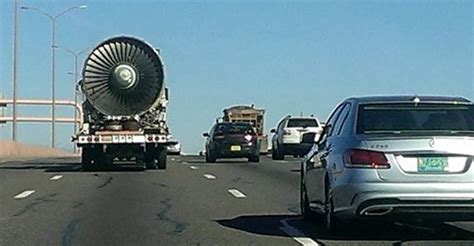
point(357, 158)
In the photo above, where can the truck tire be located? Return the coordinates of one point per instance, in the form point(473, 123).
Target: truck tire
point(149, 157)
point(86, 159)
point(101, 161)
point(105, 161)
point(150, 163)
point(161, 158)
point(140, 162)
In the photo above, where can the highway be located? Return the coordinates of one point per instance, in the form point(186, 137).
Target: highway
point(52, 202)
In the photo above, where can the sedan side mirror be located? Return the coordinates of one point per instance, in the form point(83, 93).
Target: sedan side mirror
point(272, 130)
point(314, 164)
point(206, 135)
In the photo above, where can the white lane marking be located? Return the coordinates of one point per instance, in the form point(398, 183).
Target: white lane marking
point(24, 194)
point(282, 161)
point(185, 162)
point(193, 167)
point(296, 234)
point(173, 159)
point(237, 193)
point(209, 176)
point(56, 177)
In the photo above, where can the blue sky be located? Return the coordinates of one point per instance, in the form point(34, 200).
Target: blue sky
point(285, 56)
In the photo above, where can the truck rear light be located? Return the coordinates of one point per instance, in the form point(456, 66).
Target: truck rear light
point(89, 139)
point(357, 158)
point(96, 139)
point(150, 138)
point(157, 138)
point(248, 137)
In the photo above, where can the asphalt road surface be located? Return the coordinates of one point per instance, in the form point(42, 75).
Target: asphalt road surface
point(51, 202)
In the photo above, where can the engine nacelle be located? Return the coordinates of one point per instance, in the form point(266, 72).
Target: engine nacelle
point(123, 76)
point(123, 84)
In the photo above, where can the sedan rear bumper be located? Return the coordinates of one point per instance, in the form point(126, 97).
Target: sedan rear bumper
point(245, 151)
point(381, 199)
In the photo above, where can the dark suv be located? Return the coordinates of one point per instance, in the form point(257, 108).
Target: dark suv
point(232, 140)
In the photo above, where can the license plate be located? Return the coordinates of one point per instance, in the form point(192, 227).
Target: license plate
point(432, 164)
point(235, 148)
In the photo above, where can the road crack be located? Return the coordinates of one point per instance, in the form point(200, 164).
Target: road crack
point(68, 233)
point(77, 204)
point(179, 227)
point(242, 181)
point(37, 201)
point(107, 182)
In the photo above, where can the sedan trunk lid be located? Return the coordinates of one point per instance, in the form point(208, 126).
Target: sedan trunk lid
point(425, 159)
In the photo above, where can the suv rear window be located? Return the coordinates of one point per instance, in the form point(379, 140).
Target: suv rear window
point(302, 123)
point(417, 119)
point(234, 129)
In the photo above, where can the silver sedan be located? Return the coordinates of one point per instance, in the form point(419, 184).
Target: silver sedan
point(383, 156)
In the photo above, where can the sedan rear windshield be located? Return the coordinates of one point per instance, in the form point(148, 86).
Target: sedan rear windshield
point(234, 129)
point(302, 123)
point(416, 119)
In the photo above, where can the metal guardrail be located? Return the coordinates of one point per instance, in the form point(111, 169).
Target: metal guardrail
point(80, 120)
point(4, 119)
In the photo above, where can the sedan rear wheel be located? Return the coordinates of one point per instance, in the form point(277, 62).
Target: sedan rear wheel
point(332, 224)
point(306, 212)
point(210, 158)
point(277, 154)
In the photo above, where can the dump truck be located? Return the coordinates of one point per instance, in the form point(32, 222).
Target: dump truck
point(124, 105)
point(252, 115)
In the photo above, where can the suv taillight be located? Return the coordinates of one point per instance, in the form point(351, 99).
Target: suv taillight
point(357, 158)
point(286, 132)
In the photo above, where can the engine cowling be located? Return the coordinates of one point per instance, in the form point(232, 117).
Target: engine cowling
point(123, 76)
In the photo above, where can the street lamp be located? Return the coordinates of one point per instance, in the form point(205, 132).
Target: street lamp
point(75, 73)
point(53, 19)
point(15, 66)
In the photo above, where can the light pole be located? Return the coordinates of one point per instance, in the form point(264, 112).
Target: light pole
point(15, 65)
point(53, 19)
point(76, 76)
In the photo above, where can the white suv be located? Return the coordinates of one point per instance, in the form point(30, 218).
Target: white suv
point(288, 135)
